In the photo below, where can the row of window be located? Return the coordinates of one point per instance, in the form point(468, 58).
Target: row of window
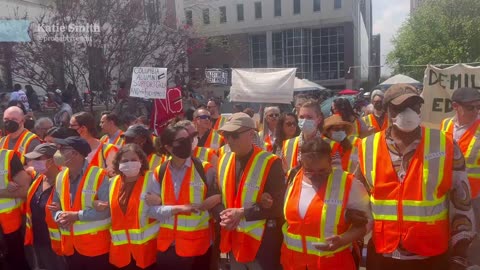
point(258, 11)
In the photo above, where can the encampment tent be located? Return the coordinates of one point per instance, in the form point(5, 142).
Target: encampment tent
point(400, 78)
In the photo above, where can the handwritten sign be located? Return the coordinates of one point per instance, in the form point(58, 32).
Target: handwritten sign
point(149, 82)
point(439, 85)
point(216, 76)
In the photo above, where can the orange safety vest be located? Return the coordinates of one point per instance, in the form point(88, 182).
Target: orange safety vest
point(350, 157)
point(219, 123)
point(224, 149)
point(412, 213)
point(53, 230)
point(155, 160)
point(10, 209)
point(325, 217)
point(290, 152)
point(469, 144)
point(22, 144)
point(133, 233)
point(214, 140)
point(204, 154)
point(245, 240)
point(267, 141)
point(191, 233)
point(118, 141)
point(371, 121)
point(89, 238)
point(100, 157)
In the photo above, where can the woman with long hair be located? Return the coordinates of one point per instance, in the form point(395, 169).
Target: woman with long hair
point(287, 128)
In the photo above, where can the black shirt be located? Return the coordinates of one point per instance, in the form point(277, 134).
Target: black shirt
point(41, 235)
point(16, 165)
point(202, 140)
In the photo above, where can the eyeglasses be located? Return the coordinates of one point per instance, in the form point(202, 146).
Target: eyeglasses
point(290, 124)
point(273, 115)
point(234, 135)
point(204, 117)
point(471, 107)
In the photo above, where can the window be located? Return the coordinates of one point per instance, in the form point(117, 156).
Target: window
point(316, 5)
point(338, 4)
point(240, 16)
point(277, 7)
point(296, 6)
point(206, 16)
point(223, 14)
point(189, 17)
point(258, 10)
point(258, 45)
point(328, 53)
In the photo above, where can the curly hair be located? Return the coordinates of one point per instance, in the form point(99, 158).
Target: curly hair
point(137, 150)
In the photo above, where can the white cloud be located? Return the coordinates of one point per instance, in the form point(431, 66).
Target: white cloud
point(388, 16)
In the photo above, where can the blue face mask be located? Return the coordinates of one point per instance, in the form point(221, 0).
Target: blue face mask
point(307, 126)
point(339, 136)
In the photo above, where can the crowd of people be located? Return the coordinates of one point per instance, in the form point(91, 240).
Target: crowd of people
point(300, 190)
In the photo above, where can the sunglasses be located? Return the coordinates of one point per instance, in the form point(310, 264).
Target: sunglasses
point(234, 135)
point(471, 107)
point(273, 115)
point(290, 124)
point(204, 117)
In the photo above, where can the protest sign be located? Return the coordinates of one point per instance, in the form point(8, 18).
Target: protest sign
point(263, 85)
point(166, 109)
point(149, 82)
point(217, 76)
point(439, 85)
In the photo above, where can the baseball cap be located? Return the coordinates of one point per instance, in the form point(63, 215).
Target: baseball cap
point(136, 130)
point(463, 95)
point(238, 121)
point(336, 120)
point(44, 149)
point(77, 143)
point(399, 93)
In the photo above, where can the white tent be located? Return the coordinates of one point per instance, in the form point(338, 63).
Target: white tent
point(400, 78)
point(306, 85)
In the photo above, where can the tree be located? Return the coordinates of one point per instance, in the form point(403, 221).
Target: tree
point(438, 32)
point(119, 35)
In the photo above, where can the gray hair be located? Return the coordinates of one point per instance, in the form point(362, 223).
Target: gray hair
point(270, 109)
point(42, 120)
point(377, 93)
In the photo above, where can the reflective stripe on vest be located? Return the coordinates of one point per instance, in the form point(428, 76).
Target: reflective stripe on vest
point(290, 148)
point(197, 193)
point(155, 160)
point(119, 141)
point(21, 146)
point(214, 140)
point(430, 208)
point(330, 217)
point(6, 204)
point(91, 180)
point(146, 231)
point(203, 153)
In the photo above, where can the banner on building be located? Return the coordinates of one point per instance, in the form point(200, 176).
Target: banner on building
point(439, 85)
point(166, 109)
point(263, 85)
point(149, 82)
point(217, 76)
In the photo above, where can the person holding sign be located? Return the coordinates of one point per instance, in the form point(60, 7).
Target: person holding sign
point(420, 195)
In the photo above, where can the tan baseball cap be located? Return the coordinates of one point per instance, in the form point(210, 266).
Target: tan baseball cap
point(399, 93)
point(238, 121)
point(336, 120)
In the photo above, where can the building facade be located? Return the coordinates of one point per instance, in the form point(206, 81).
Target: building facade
point(328, 41)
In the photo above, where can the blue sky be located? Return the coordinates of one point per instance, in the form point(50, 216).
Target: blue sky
point(388, 16)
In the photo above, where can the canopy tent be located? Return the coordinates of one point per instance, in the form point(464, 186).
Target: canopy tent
point(348, 92)
point(400, 78)
point(306, 85)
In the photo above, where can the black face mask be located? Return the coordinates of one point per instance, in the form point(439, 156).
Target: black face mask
point(184, 148)
point(11, 126)
point(378, 106)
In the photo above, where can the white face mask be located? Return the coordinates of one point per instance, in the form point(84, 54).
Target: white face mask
point(40, 166)
point(194, 143)
point(307, 126)
point(407, 121)
point(339, 136)
point(130, 168)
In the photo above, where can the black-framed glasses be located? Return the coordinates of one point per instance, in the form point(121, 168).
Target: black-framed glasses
point(204, 117)
point(234, 135)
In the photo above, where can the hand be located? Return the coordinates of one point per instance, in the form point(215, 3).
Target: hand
point(100, 205)
point(266, 201)
point(356, 217)
point(12, 187)
point(153, 199)
point(334, 242)
point(185, 209)
point(67, 218)
point(230, 218)
point(53, 207)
